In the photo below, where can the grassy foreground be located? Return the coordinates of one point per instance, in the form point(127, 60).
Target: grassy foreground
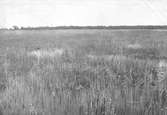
point(97, 74)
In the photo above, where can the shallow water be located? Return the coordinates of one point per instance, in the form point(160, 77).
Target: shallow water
point(46, 53)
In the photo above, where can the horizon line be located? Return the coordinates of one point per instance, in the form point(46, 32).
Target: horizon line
point(15, 27)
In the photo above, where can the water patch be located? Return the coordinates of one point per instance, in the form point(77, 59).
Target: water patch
point(46, 53)
point(107, 57)
point(134, 46)
point(162, 64)
point(92, 56)
point(162, 70)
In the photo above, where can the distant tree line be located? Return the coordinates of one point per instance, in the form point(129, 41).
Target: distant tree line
point(94, 27)
point(90, 27)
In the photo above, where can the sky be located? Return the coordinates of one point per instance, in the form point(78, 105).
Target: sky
point(82, 12)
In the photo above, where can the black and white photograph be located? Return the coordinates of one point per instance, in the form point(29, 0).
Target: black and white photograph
point(83, 57)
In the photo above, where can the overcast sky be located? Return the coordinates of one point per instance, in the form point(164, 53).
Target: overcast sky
point(82, 12)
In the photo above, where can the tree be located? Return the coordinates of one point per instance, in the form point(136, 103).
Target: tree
point(15, 27)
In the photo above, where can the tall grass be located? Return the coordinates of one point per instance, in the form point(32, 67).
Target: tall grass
point(77, 85)
point(98, 73)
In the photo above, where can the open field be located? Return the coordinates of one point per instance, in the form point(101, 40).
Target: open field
point(83, 72)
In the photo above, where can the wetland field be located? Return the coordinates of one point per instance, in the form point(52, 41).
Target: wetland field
point(83, 72)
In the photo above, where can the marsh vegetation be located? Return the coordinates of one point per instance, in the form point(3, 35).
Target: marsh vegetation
point(83, 72)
